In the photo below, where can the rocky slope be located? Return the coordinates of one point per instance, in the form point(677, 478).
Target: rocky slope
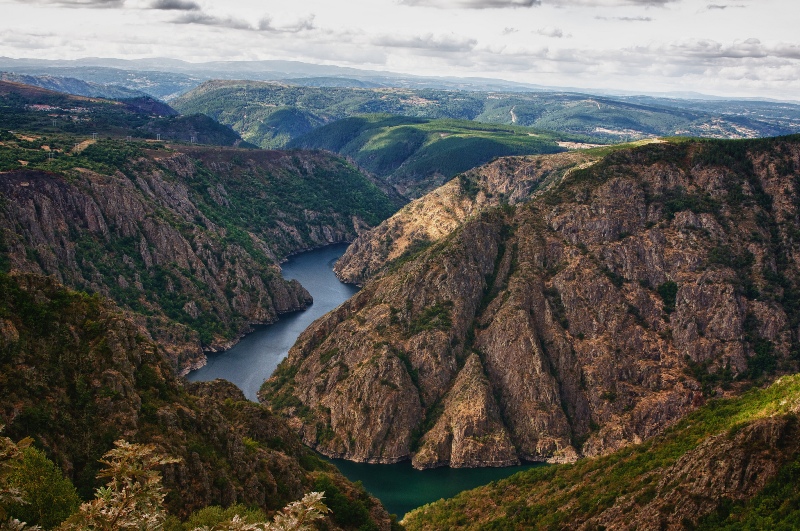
point(76, 373)
point(734, 464)
point(189, 237)
point(427, 220)
point(587, 319)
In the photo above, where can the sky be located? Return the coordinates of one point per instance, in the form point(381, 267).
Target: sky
point(742, 48)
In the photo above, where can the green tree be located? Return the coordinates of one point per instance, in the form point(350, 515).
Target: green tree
point(296, 516)
point(10, 453)
point(133, 499)
point(49, 497)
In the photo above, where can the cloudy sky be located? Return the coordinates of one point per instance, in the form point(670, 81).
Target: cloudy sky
point(729, 48)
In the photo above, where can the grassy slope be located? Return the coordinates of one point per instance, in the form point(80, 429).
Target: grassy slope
point(410, 149)
point(564, 496)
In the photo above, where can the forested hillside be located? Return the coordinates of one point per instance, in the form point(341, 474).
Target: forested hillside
point(417, 154)
point(77, 373)
point(34, 109)
point(189, 238)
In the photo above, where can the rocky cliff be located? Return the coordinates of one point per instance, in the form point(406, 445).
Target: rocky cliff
point(589, 318)
point(427, 220)
point(76, 373)
point(189, 238)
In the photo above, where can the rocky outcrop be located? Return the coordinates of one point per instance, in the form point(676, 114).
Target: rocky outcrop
point(76, 374)
point(470, 428)
point(597, 314)
point(189, 240)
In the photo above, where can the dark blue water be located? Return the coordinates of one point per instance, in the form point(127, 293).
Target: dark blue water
point(399, 487)
point(255, 357)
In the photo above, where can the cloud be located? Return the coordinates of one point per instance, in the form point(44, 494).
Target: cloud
point(499, 4)
point(303, 24)
point(438, 43)
point(708, 50)
point(609, 3)
point(265, 25)
point(724, 6)
point(471, 4)
point(550, 31)
point(205, 19)
point(627, 19)
point(175, 5)
point(509, 30)
point(78, 3)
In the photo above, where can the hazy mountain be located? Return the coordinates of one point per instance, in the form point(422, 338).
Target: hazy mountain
point(248, 107)
point(73, 86)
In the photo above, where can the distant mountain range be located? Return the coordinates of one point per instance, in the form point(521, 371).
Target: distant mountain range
point(71, 85)
point(271, 113)
point(165, 77)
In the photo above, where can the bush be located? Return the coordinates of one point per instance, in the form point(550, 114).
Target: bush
point(50, 497)
point(669, 293)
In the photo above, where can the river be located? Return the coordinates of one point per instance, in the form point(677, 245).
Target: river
point(251, 361)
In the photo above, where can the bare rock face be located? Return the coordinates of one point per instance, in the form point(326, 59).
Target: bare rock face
point(166, 238)
point(438, 213)
point(470, 429)
point(591, 317)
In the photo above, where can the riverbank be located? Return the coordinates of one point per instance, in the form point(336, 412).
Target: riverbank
point(254, 358)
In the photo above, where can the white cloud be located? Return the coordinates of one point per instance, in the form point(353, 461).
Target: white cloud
point(472, 4)
point(499, 4)
point(551, 31)
point(205, 19)
point(626, 19)
point(175, 5)
point(303, 24)
point(79, 3)
point(733, 47)
point(440, 43)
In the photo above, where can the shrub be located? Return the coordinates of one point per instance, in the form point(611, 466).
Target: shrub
point(49, 497)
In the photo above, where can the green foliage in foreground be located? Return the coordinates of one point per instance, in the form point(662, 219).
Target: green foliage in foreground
point(554, 497)
point(214, 516)
point(55, 343)
point(49, 497)
point(777, 507)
